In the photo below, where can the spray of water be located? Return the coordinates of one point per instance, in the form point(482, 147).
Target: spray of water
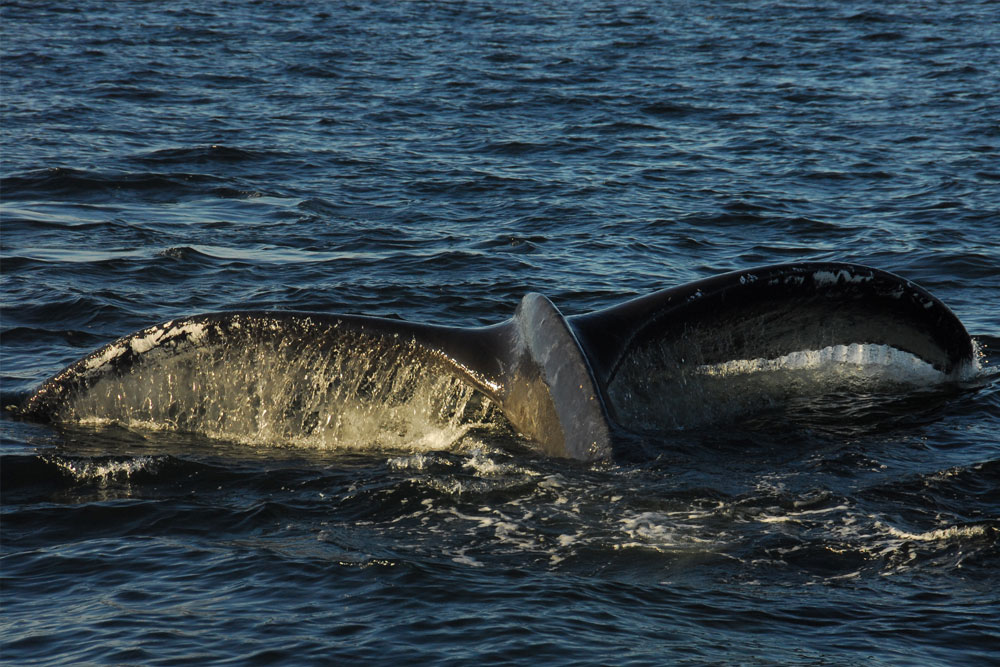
point(354, 394)
point(294, 381)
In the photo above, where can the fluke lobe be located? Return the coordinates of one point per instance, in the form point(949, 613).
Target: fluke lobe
point(569, 384)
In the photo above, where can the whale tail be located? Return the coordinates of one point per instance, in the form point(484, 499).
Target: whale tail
point(570, 385)
point(670, 347)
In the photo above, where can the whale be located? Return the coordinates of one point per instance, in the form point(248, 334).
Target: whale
point(573, 386)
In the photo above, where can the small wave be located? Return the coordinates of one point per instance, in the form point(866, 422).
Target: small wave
point(315, 71)
point(184, 253)
point(952, 533)
point(104, 472)
point(261, 254)
point(75, 183)
point(670, 109)
point(210, 154)
point(670, 532)
point(34, 335)
point(75, 313)
point(40, 476)
point(419, 461)
point(77, 255)
point(872, 16)
point(884, 36)
point(513, 147)
point(839, 539)
point(126, 92)
point(80, 218)
point(512, 243)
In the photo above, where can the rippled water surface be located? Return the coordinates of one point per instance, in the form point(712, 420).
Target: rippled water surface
point(435, 162)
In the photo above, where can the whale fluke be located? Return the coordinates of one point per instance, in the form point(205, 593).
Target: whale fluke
point(764, 314)
point(571, 385)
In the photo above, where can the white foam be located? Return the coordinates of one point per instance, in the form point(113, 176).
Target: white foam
point(418, 461)
point(670, 532)
point(797, 516)
point(938, 535)
point(103, 473)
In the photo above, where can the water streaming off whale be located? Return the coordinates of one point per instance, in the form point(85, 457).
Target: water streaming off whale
point(284, 382)
point(355, 396)
point(669, 361)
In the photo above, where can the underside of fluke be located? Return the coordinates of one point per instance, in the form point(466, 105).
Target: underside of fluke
point(569, 384)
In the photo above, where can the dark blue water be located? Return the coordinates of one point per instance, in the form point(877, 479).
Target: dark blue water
point(435, 161)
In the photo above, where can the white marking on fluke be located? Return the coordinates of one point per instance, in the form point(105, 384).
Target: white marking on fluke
point(843, 275)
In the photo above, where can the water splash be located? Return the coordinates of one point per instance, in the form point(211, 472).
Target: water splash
point(347, 395)
point(104, 472)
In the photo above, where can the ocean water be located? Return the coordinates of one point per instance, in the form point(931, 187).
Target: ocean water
point(435, 161)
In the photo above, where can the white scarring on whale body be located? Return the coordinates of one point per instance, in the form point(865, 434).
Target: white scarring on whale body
point(570, 385)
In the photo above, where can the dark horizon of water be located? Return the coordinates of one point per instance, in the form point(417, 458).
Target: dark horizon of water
point(435, 162)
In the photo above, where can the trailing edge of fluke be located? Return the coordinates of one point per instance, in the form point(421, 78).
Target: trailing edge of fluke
point(563, 382)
